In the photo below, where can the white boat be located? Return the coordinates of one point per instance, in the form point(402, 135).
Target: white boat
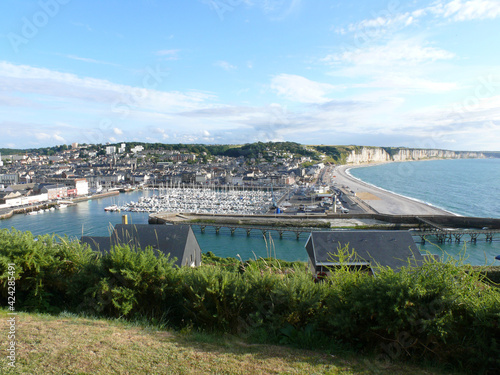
point(111, 208)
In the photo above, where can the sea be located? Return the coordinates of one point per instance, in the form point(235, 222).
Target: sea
point(466, 187)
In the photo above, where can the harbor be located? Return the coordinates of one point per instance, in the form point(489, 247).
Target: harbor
point(207, 200)
point(89, 218)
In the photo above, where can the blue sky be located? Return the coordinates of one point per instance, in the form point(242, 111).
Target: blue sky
point(383, 73)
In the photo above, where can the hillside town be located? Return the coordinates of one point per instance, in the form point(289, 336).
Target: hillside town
point(66, 172)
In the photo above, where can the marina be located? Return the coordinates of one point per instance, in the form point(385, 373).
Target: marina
point(205, 201)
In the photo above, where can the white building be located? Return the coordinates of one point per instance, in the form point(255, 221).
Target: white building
point(137, 149)
point(121, 150)
point(9, 178)
point(81, 186)
point(55, 158)
point(110, 150)
point(140, 179)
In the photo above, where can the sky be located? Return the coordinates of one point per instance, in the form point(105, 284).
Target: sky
point(421, 74)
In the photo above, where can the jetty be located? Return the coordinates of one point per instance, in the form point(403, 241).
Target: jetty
point(440, 228)
point(249, 228)
point(428, 228)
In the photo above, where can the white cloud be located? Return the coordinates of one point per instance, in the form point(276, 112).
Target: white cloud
point(57, 137)
point(399, 64)
point(41, 136)
point(459, 10)
point(300, 89)
point(391, 19)
point(224, 65)
point(121, 98)
point(206, 133)
point(376, 25)
point(397, 51)
point(89, 60)
point(407, 82)
point(168, 54)
point(117, 131)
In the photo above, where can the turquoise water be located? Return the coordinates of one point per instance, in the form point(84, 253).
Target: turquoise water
point(89, 218)
point(468, 187)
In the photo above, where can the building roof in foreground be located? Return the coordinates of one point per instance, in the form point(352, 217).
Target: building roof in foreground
point(370, 248)
point(178, 241)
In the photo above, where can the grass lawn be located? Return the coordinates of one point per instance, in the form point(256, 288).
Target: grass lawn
point(67, 344)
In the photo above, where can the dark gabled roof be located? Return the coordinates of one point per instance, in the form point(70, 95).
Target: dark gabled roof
point(370, 247)
point(169, 239)
point(101, 244)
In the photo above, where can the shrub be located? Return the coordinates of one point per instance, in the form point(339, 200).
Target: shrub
point(439, 311)
point(213, 298)
point(128, 281)
point(45, 267)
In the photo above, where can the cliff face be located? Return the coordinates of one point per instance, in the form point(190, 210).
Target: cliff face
point(377, 154)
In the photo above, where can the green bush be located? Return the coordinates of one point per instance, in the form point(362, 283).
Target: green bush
point(439, 311)
point(45, 267)
point(126, 282)
point(213, 298)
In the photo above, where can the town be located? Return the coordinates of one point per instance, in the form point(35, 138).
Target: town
point(66, 173)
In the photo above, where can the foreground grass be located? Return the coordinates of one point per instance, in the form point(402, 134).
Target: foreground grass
point(67, 344)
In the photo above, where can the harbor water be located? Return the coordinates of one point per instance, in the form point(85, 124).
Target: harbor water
point(466, 187)
point(89, 218)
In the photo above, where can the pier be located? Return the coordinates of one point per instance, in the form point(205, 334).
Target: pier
point(249, 228)
point(450, 235)
point(442, 234)
point(442, 229)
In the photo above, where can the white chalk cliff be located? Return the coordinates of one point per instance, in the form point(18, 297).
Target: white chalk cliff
point(378, 154)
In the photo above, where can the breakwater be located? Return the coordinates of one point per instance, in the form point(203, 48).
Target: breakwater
point(410, 221)
point(96, 196)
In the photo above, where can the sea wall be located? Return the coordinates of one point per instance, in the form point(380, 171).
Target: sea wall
point(379, 154)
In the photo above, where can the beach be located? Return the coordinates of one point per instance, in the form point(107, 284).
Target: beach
point(380, 200)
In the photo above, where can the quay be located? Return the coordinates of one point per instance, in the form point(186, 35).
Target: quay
point(6, 213)
point(96, 196)
point(248, 228)
point(442, 234)
point(448, 235)
point(442, 228)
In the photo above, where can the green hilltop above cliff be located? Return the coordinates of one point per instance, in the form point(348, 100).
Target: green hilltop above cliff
point(271, 150)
